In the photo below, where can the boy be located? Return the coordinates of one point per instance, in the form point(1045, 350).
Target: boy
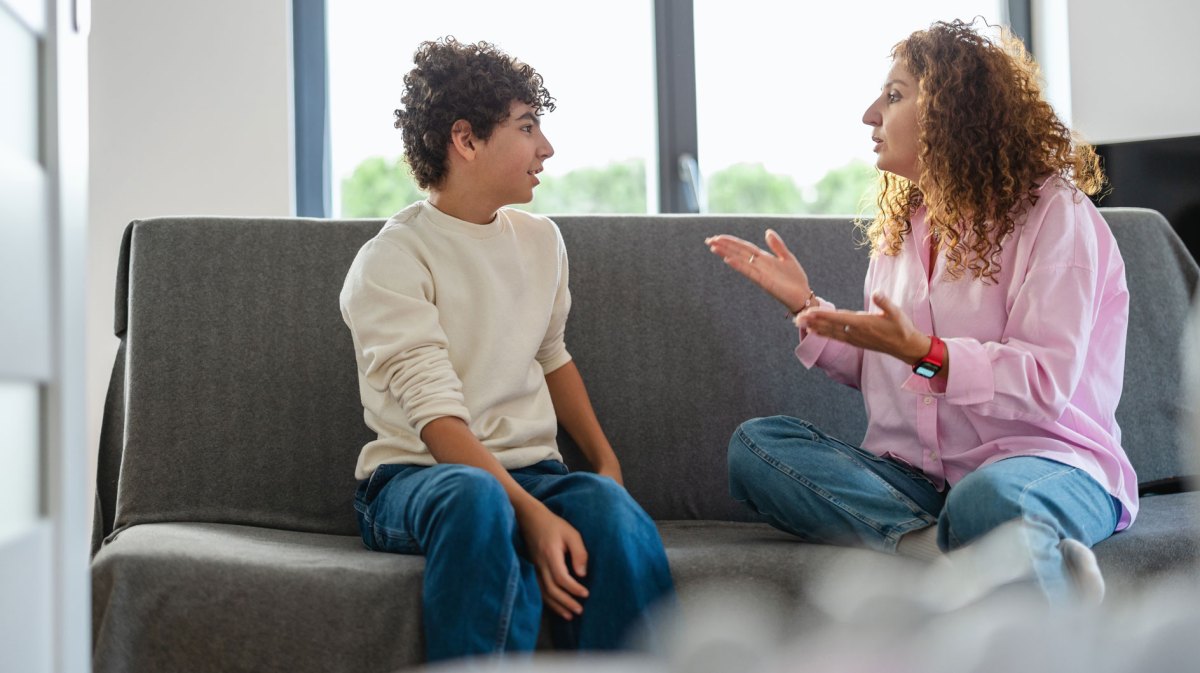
point(457, 309)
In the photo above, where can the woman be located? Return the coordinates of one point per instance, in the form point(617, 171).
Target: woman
point(991, 351)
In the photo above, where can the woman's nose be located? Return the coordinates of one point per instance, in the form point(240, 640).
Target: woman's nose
point(872, 117)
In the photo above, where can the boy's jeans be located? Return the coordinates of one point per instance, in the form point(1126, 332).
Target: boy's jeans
point(824, 490)
point(480, 591)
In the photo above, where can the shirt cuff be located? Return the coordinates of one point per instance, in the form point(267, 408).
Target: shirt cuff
point(919, 385)
point(810, 349)
point(971, 379)
point(432, 412)
point(812, 345)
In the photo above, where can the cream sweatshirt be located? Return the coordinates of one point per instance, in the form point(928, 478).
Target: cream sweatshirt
point(451, 318)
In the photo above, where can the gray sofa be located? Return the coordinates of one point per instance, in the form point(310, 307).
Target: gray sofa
point(225, 536)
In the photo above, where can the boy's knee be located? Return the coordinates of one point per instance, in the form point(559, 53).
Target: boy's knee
point(594, 491)
point(470, 491)
point(604, 506)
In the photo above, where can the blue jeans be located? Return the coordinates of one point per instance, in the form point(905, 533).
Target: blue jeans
point(480, 592)
point(824, 490)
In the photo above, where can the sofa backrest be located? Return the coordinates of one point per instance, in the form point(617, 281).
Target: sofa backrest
point(234, 396)
point(677, 349)
point(1162, 278)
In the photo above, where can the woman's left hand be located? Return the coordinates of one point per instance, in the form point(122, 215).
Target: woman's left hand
point(889, 332)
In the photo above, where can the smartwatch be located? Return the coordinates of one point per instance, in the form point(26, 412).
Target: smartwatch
point(929, 365)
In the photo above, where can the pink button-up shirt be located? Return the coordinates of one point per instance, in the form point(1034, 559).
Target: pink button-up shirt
point(1036, 359)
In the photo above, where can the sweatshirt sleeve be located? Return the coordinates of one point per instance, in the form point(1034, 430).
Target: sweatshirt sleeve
point(387, 302)
point(553, 352)
point(1032, 372)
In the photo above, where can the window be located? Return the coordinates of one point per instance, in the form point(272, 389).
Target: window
point(597, 61)
point(780, 94)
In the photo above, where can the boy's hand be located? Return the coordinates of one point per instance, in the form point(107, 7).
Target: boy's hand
point(612, 470)
point(553, 543)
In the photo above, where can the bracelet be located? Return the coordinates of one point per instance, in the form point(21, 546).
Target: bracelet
point(807, 302)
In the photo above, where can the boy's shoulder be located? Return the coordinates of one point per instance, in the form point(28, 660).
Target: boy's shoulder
point(531, 223)
point(410, 228)
point(402, 221)
point(397, 235)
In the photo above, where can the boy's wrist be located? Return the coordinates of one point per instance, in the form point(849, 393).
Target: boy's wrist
point(608, 467)
point(605, 459)
point(525, 507)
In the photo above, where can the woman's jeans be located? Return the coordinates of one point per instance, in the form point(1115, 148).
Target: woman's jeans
point(480, 590)
point(826, 491)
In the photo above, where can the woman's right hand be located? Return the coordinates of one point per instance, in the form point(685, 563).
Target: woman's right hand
point(779, 274)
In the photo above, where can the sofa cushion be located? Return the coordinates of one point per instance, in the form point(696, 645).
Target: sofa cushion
point(1164, 541)
point(220, 598)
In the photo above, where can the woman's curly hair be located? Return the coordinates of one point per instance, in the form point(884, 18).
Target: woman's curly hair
point(986, 138)
point(451, 81)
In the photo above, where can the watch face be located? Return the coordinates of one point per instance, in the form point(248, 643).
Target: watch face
point(926, 369)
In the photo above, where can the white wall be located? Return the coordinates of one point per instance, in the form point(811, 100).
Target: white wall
point(191, 114)
point(1133, 68)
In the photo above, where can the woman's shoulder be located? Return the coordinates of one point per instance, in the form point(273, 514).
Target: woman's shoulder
point(1063, 224)
point(1057, 187)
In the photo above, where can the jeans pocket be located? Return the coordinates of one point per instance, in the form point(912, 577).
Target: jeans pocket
point(905, 467)
point(370, 487)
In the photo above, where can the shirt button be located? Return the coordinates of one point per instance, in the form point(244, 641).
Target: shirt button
point(928, 401)
point(933, 455)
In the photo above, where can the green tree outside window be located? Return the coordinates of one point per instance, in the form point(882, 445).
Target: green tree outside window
point(380, 188)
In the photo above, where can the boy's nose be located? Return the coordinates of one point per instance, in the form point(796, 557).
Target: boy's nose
point(547, 150)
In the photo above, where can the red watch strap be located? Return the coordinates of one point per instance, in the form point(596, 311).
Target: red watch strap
point(937, 352)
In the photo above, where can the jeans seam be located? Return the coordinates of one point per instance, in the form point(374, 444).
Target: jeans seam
point(507, 607)
point(791, 474)
point(908, 470)
point(379, 532)
point(1025, 490)
point(957, 542)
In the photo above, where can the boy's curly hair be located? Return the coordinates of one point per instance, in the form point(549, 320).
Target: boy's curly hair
point(986, 137)
point(451, 81)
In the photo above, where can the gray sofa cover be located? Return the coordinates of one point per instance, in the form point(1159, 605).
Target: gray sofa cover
point(225, 538)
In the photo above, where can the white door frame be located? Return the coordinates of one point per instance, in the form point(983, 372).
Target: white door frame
point(45, 617)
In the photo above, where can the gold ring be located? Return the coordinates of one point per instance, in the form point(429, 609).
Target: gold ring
point(752, 256)
point(846, 329)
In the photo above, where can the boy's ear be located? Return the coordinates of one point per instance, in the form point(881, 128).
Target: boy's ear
point(462, 139)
